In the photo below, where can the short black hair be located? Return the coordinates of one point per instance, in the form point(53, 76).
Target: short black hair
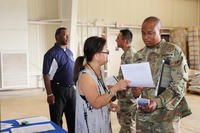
point(58, 31)
point(127, 34)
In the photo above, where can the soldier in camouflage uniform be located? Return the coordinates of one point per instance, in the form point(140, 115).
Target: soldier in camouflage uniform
point(126, 101)
point(163, 113)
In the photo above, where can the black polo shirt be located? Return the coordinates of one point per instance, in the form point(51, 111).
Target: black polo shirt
point(59, 64)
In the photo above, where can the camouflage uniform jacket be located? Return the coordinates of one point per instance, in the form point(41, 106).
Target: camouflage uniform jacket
point(171, 102)
point(126, 58)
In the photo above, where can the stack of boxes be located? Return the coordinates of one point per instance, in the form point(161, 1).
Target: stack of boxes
point(194, 58)
point(189, 41)
point(194, 47)
point(178, 36)
point(194, 81)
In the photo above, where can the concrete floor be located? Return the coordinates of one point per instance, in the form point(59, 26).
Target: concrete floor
point(32, 102)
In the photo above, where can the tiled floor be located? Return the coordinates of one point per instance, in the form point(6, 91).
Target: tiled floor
point(32, 102)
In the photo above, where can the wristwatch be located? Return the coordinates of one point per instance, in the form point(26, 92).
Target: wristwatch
point(50, 95)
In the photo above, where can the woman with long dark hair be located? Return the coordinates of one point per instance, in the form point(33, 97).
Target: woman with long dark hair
point(93, 98)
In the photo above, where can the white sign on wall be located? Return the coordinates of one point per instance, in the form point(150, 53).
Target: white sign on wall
point(13, 70)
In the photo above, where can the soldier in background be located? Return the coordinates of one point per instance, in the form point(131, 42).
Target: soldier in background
point(164, 111)
point(126, 102)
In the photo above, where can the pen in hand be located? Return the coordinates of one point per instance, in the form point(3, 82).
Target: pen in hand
point(115, 78)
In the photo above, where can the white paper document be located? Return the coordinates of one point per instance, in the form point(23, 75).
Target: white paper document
point(33, 120)
point(33, 129)
point(5, 126)
point(139, 74)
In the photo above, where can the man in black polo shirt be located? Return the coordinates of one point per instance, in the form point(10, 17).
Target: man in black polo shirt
point(58, 68)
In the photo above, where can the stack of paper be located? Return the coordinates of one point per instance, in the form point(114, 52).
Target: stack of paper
point(33, 120)
point(139, 74)
point(33, 128)
point(5, 125)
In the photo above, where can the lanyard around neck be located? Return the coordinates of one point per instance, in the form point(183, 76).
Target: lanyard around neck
point(102, 83)
point(100, 80)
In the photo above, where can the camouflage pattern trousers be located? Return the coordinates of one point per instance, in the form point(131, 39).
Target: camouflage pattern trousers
point(126, 117)
point(172, 126)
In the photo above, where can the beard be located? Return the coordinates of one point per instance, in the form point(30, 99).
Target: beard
point(63, 43)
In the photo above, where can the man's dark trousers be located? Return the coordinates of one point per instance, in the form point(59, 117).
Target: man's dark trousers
point(64, 103)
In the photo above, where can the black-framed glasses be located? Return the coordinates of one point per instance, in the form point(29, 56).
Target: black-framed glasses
point(105, 52)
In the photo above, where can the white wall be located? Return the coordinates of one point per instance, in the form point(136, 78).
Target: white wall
point(42, 9)
point(131, 13)
point(173, 13)
point(13, 25)
point(17, 34)
point(40, 39)
point(13, 37)
point(40, 36)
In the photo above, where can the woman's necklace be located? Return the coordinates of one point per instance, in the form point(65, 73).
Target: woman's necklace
point(100, 80)
point(94, 71)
